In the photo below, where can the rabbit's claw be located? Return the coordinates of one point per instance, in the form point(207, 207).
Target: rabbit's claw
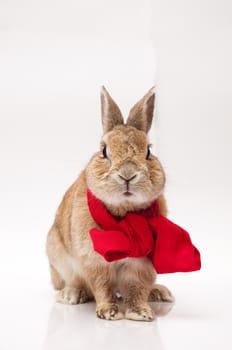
point(109, 312)
point(140, 313)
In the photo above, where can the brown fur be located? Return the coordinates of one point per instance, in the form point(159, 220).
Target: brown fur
point(76, 269)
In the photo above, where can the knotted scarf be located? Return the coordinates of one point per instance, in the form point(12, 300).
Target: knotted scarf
point(143, 233)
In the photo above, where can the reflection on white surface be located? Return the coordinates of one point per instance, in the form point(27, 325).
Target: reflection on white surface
point(77, 326)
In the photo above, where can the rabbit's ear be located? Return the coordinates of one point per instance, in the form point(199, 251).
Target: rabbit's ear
point(141, 114)
point(111, 114)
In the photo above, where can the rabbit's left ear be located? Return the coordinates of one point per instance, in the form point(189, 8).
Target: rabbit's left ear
point(111, 114)
point(141, 114)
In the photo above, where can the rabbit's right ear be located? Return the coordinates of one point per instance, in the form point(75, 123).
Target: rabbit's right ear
point(141, 114)
point(111, 114)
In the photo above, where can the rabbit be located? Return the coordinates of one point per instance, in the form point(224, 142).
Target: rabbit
point(126, 177)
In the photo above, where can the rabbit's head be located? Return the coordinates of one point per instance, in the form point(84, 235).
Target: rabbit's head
point(124, 173)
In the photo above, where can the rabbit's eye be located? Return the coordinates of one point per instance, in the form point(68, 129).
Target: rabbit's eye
point(148, 153)
point(104, 153)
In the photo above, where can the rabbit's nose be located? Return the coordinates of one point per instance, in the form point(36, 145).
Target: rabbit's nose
point(127, 179)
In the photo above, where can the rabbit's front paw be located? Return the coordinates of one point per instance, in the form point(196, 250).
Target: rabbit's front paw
point(72, 296)
point(109, 312)
point(140, 313)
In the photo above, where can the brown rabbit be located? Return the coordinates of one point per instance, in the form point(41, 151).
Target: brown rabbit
point(125, 176)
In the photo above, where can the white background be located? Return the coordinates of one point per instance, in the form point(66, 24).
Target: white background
point(54, 55)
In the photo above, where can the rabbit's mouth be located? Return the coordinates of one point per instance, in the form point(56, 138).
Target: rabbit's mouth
point(128, 194)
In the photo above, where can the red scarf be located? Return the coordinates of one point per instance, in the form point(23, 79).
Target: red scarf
point(143, 233)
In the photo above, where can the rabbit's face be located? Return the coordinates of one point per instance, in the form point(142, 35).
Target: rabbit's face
point(125, 171)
